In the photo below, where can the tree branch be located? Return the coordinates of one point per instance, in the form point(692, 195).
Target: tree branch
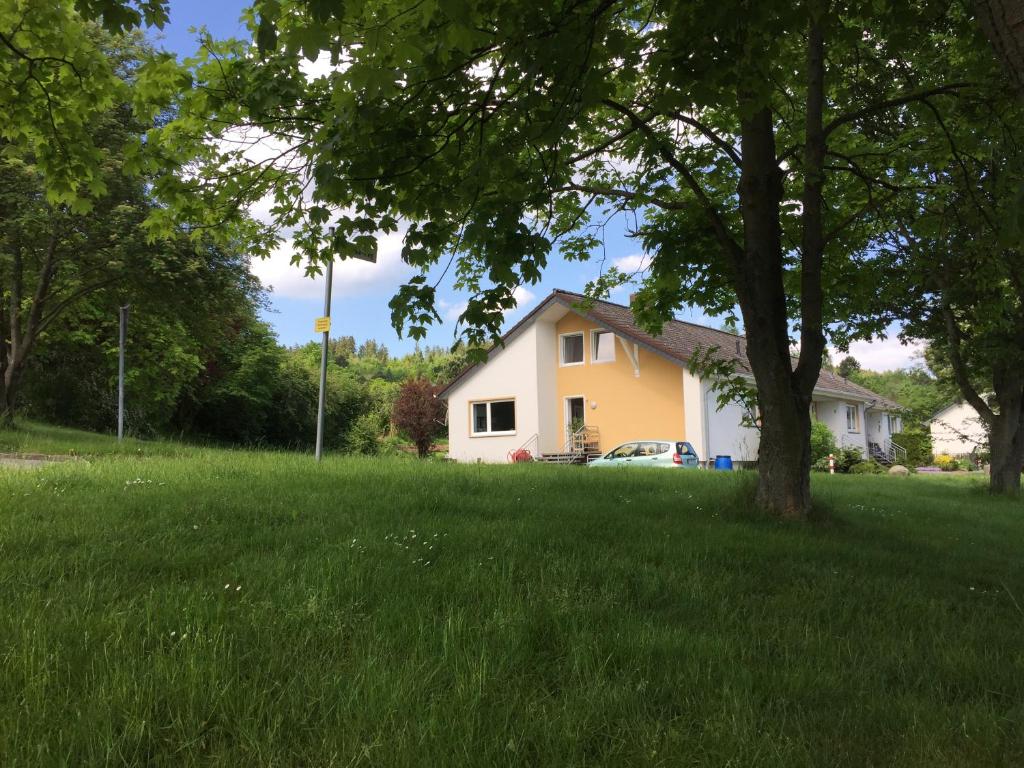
point(954, 339)
point(711, 136)
point(812, 337)
point(895, 101)
point(718, 224)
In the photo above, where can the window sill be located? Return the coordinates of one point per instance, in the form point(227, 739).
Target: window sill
point(602, 362)
point(570, 365)
point(493, 434)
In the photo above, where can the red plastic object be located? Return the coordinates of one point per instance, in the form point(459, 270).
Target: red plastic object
point(520, 455)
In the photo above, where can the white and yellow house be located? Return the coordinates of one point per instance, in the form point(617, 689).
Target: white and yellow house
point(568, 369)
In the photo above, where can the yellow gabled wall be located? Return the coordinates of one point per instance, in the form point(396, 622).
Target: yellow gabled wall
point(628, 407)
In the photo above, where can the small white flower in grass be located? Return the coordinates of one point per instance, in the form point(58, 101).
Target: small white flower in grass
point(173, 633)
point(195, 527)
point(238, 588)
point(227, 586)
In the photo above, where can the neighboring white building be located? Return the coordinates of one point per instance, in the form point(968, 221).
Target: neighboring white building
point(562, 367)
point(958, 430)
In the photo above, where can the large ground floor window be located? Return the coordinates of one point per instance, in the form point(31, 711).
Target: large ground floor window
point(494, 417)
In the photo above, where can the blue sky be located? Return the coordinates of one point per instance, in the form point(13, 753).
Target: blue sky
point(362, 291)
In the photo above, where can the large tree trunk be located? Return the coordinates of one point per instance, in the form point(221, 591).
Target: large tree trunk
point(1006, 434)
point(784, 393)
point(23, 327)
point(784, 460)
point(10, 383)
point(1007, 447)
point(7, 402)
point(1003, 24)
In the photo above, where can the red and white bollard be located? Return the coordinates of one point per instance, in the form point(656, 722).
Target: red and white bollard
point(831, 464)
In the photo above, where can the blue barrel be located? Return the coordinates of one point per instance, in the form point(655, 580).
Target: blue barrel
point(723, 463)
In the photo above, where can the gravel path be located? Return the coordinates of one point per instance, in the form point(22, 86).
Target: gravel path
point(30, 460)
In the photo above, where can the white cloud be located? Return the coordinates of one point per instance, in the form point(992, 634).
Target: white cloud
point(523, 296)
point(451, 310)
point(352, 277)
point(887, 354)
point(635, 262)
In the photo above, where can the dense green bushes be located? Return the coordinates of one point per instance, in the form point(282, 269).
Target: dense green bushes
point(869, 467)
point(918, 444)
point(823, 442)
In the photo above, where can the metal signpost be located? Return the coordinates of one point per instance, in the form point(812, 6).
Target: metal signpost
point(120, 373)
point(323, 325)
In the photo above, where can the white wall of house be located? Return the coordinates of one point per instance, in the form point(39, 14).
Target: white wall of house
point(693, 413)
point(551, 440)
point(958, 430)
point(726, 435)
point(511, 373)
point(832, 411)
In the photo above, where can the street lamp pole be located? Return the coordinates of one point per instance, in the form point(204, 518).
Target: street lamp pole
point(120, 372)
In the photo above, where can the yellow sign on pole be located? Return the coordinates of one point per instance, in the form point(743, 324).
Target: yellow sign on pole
point(322, 325)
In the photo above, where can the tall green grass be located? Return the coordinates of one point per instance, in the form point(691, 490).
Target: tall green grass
point(233, 608)
point(38, 438)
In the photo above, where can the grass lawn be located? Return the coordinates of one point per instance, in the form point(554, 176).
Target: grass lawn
point(33, 437)
point(249, 609)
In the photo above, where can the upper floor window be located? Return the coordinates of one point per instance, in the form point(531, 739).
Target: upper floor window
point(572, 349)
point(852, 418)
point(604, 347)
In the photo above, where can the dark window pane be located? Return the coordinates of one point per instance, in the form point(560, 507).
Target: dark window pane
point(572, 348)
point(503, 416)
point(479, 417)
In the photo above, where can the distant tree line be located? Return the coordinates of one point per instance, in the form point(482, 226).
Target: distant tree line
point(201, 362)
point(223, 378)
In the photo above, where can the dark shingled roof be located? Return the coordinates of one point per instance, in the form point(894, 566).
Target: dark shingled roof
point(678, 342)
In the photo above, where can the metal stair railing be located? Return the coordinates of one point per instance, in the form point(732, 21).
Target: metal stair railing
point(897, 453)
point(580, 444)
point(533, 440)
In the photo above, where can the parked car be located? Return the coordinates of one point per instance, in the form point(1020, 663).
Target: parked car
point(650, 453)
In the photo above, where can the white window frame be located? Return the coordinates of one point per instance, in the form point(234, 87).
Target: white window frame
point(855, 429)
point(594, 335)
point(488, 403)
point(561, 348)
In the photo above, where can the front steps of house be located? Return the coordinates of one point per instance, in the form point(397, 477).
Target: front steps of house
point(575, 457)
point(582, 446)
